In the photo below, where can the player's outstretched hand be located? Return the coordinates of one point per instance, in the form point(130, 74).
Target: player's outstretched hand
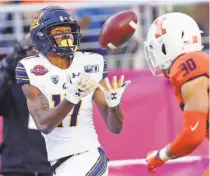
point(80, 87)
point(113, 93)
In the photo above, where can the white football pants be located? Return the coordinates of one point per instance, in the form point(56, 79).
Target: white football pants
point(90, 163)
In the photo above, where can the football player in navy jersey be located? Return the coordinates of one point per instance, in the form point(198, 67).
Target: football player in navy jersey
point(61, 85)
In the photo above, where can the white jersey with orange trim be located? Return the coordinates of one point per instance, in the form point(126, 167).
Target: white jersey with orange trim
point(76, 134)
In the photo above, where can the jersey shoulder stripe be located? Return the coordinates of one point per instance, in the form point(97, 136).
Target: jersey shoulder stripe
point(21, 74)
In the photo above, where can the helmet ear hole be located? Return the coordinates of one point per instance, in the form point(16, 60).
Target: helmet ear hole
point(151, 47)
point(182, 34)
point(163, 49)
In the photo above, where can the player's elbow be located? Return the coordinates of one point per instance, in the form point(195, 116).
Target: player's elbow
point(115, 130)
point(194, 144)
point(198, 139)
point(45, 126)
point(46, 129)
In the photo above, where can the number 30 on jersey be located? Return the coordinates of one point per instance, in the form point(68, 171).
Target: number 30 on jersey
point(188, 66)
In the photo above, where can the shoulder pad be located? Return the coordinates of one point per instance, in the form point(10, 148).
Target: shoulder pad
point(188, 67)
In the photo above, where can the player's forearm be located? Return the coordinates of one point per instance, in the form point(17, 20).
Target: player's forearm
point(190, 137)
point(181, 146)
point(49, 119)
point(115, 119)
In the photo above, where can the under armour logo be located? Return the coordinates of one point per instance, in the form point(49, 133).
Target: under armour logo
point(64, 86)
point(79, 92)
point(74, 75)
point(114, 96)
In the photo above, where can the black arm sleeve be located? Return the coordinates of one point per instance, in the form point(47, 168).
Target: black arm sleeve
point(5, 91)
point(7, 74)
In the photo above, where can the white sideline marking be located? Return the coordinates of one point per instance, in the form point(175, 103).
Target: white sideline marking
point(119, 163)
point(133, 24)
point(112, 46)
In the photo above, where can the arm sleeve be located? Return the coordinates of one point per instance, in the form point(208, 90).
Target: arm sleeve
point(191, 135)
point(7, 77)
point(5, 92)
point(21, 74)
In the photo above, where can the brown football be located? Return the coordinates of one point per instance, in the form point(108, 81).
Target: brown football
point(118, 29)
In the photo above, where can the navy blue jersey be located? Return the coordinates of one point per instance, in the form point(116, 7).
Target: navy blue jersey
point(23, 150)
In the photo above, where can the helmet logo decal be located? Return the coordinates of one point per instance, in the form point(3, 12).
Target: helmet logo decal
point(159, 26)
point(61, 18)
point(195, 39)
point(36, 21)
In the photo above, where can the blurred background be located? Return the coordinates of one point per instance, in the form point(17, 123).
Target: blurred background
point(152, 117)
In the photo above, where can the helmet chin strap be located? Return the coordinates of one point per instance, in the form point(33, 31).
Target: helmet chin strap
point(69, 57)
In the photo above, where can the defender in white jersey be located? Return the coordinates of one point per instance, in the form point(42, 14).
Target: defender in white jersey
point(60, 86)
